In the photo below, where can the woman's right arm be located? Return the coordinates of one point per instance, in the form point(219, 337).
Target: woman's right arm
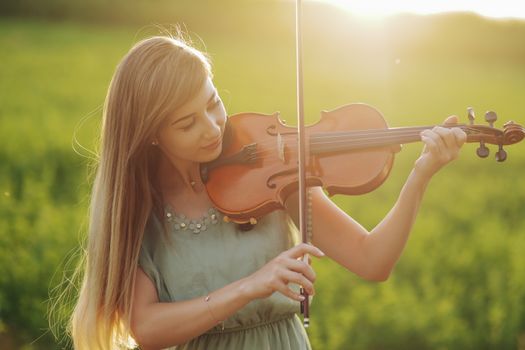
point(157, 325)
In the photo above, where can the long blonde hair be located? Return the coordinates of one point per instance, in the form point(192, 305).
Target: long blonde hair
point(157, 75)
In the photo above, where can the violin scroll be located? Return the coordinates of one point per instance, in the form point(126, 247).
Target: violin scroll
point(512, 133)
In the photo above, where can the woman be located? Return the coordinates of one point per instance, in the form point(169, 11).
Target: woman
point(163, 268)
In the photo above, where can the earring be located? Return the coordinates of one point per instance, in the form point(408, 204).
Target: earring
point(155, 143)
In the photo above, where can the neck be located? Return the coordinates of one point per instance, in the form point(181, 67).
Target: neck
point(326, 142)
point(179, 176)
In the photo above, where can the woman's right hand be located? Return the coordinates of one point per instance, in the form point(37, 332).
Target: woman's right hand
point(287, 267)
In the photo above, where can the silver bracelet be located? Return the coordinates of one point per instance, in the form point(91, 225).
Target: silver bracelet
point(207, 301)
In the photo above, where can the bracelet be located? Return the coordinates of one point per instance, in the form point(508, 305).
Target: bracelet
point(207, 301)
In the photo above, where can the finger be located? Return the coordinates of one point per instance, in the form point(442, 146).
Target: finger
point(461, 136)
point(431, 146)
point(451, 120)
point(297, 278)
point(301, 249)
point(301, 267)
point(306, 258)
point(448, 137)
point(433, 142)
point(440, 142)
point(290, 293)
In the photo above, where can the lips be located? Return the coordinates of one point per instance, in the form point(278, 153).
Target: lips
point(213, 145)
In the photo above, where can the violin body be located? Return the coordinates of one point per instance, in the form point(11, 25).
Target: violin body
point(246, 184)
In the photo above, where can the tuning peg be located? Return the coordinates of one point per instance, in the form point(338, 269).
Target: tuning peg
point(501, 155)
point(471, 115)
point(491, 117)
point(482, 150)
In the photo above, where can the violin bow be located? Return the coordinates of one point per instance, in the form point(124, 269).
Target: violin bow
point(303, 228)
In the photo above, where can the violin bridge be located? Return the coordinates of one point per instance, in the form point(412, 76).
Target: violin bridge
point(280, 147)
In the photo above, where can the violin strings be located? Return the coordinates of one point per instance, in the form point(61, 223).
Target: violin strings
point(370, 142)
point(346, 134)
point(379, 132)
point(401, 132)
point(381, 137)
point(340, 145)
point(387, 136)
point(365, 131)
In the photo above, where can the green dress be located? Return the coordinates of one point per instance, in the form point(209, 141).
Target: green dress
point(200, 256)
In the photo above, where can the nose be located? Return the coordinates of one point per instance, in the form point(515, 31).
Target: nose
point(214, 125)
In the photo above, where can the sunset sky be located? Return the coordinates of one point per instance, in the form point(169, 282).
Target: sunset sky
point(381, 8)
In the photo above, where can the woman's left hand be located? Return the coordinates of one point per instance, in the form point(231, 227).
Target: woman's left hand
point(442, 145)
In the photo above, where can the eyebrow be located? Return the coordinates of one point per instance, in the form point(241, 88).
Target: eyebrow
point(213, 95)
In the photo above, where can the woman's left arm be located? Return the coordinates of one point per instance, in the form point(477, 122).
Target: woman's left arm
point(372, 255)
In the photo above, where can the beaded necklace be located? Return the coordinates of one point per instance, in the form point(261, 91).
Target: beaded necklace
point(181, 223)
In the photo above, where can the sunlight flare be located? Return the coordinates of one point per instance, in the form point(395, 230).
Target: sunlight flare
point(383, 8)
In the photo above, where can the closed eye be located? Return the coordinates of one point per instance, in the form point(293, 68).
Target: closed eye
point(215, 103)
point(188, 126)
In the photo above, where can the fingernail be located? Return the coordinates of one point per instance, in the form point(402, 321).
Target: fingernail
point(301, 297)
point(320, 252)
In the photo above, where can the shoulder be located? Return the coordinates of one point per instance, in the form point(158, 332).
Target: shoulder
point(152, 232)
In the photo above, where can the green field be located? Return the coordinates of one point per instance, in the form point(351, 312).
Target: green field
point(460, 283)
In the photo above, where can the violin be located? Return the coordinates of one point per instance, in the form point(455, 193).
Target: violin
point(349, 151)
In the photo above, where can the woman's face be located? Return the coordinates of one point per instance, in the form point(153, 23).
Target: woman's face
point(193, 133)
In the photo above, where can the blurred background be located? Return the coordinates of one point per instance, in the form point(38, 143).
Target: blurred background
point(460, 283)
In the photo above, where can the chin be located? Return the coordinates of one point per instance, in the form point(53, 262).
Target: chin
point(211, 155)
